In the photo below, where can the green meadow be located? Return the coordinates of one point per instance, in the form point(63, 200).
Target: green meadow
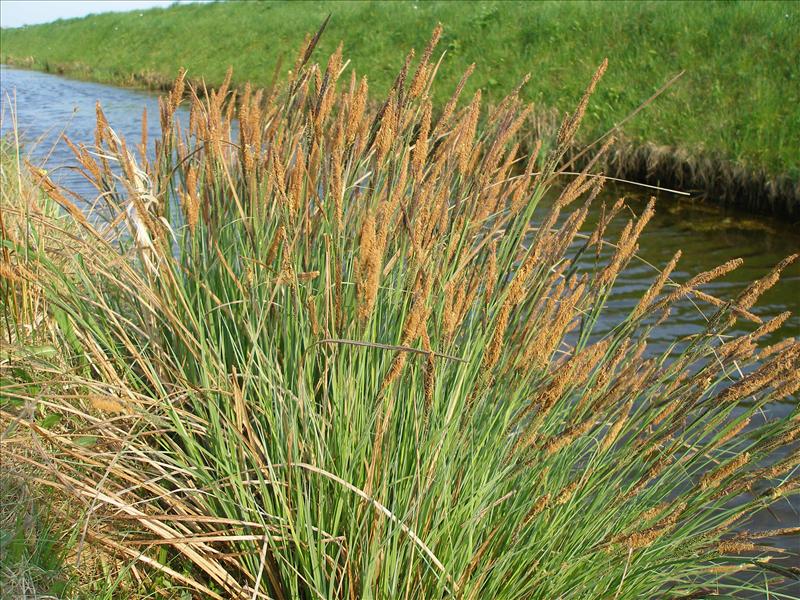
point(737, 99)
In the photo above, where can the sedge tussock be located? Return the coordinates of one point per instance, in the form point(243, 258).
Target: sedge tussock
point(344, 341)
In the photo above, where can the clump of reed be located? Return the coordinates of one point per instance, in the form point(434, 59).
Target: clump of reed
point(337, 352)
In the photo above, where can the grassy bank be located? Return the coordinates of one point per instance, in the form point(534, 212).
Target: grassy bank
point(39, 539)
point(30, 548)
point(348, 366)
point(737, 100)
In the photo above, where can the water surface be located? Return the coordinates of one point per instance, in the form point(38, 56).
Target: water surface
point(47, 107)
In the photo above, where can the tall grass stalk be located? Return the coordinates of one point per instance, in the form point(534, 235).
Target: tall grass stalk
point(338, 353)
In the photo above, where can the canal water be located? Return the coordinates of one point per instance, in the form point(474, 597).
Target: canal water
point(47, 107)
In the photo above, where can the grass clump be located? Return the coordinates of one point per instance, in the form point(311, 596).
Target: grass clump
point(341, 353)
point(30, 548)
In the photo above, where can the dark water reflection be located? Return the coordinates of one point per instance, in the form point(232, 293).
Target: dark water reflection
point(48, 105)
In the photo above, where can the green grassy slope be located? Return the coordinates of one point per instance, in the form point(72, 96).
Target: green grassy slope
point(738, 99)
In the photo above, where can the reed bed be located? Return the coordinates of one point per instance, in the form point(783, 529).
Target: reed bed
point(342, 353)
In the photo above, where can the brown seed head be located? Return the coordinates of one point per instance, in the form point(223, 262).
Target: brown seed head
point(570, 126)
point(386, 132)
point(655, 289)
point(735, 547)
point(750, 295)
point(107, 404)
point(356, 113)
point(701, 279)
point(714, 478)
point(732, 433)
point(420, 152)
point(541, 504)
point(447, 112)
point(369, 265)
point(423, 70)
point(566, 494)
point(558, 442)
point(466, 133)
point(616, 428)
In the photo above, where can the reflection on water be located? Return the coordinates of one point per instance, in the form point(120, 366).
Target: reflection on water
point(48, 105)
